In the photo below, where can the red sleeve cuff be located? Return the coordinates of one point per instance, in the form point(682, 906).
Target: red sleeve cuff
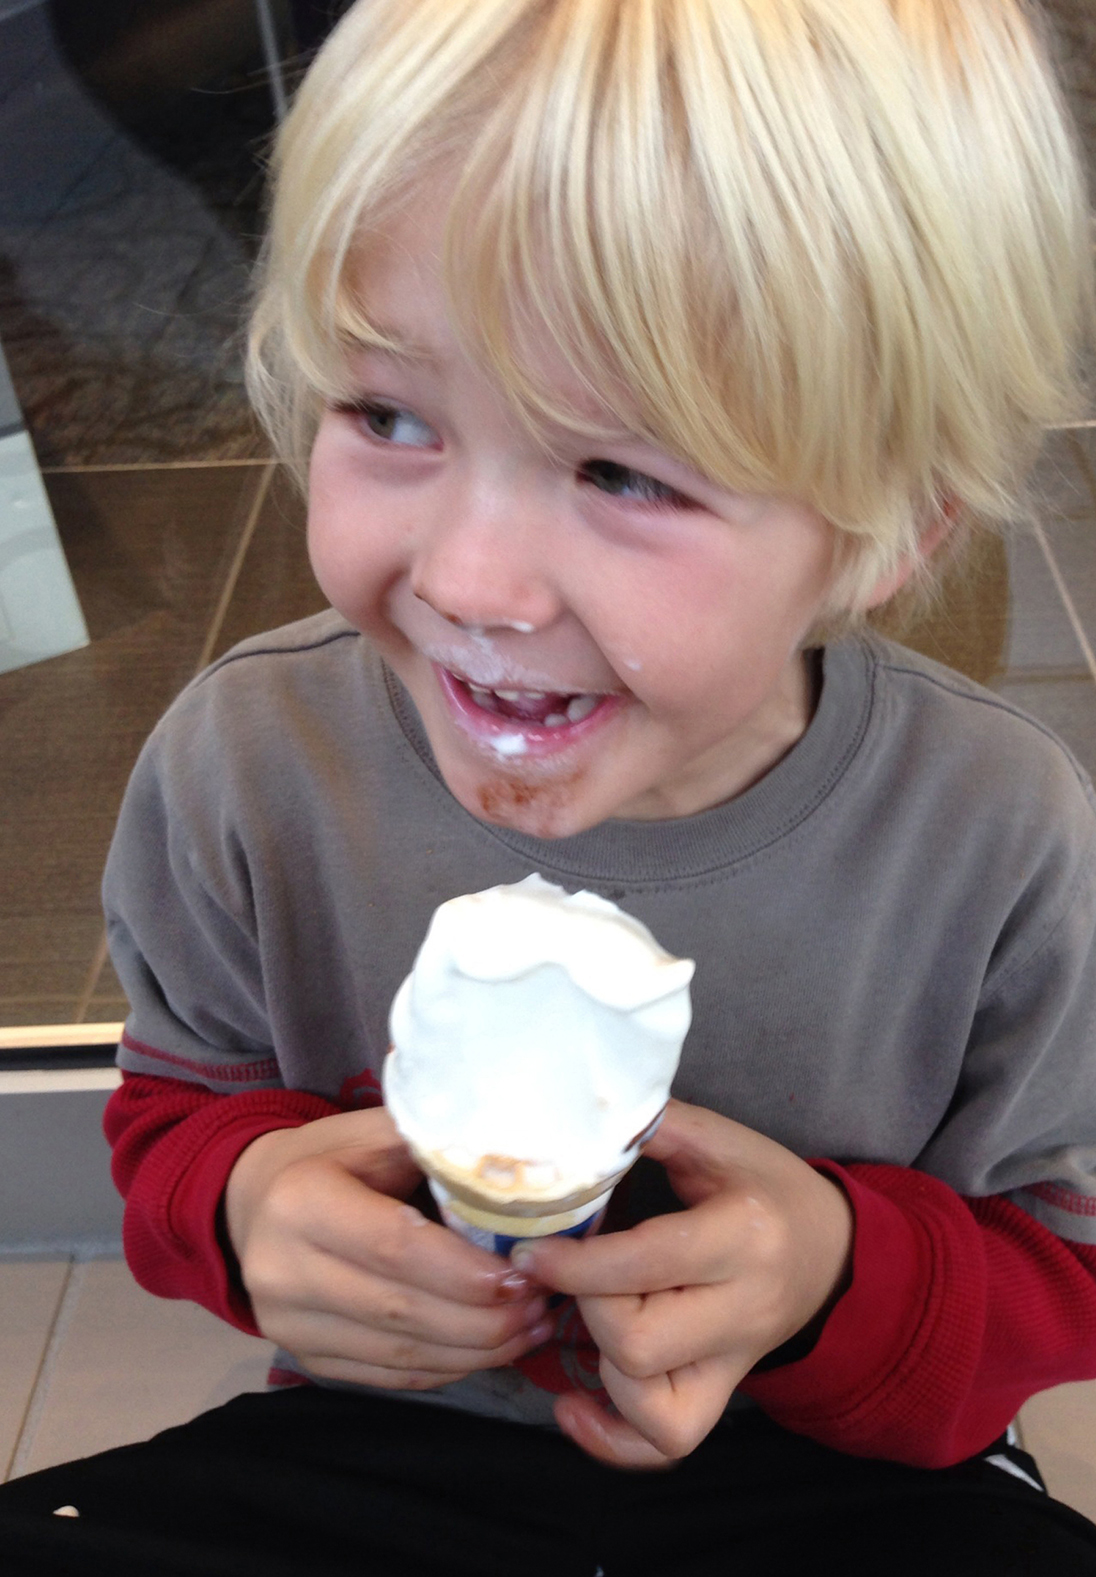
point(869, 1386)
point(174, 1147)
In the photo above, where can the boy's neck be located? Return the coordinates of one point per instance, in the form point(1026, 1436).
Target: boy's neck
point(761, 744)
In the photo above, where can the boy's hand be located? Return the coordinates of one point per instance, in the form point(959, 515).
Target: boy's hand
point(682, 1306)
point(353, 1281)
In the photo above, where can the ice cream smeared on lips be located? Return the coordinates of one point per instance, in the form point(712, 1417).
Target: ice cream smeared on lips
point(534, 1043)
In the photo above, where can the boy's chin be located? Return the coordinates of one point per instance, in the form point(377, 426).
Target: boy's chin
point(548, 808)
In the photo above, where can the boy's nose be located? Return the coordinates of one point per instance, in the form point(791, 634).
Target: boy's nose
point(477, 569)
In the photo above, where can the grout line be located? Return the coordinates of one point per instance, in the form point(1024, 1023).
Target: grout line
point(1084, 465)
point(229, 587)
point(99, 958)
point(32, 1413)
point(1063, 592)
point(1078, 675)
point(150, 465)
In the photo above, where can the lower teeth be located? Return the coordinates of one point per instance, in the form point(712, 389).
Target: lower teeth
point(581, 707)
point(556, 720)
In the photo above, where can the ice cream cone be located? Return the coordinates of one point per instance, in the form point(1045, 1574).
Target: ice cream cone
point(483, 1223)
point(498, 1218)
point(534, 1044)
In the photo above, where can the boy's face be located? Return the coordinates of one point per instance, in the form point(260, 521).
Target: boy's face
point(600, 633)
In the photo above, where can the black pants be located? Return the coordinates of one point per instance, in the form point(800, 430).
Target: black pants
point(314, 1483)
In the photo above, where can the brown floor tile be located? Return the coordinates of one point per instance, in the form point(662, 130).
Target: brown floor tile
point(967, 625)
point(1067, 706)
point(39, 978)
point(1042, 639)
point(1072, 545)
point(149, 552)
point(37, 1010)
point(1074, 22)
point(1065, 476)
point(108, 1003)
point(48, 940)
point(1072, 538)
point(107, 984)
point(1000, 609)
point(106, 1010)
point(276, 584)
point(52, 864)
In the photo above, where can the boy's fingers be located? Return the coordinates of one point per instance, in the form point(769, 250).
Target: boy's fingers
point(684, 1249)
point(341, 1291)
point(666, 1331)
point(603, 1435)
point(324, 1341)
point(673, 1411)
point(701, 1150)
point(389, 1238)
point(423, 1368)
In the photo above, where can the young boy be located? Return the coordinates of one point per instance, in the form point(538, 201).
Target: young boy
point(638, 350)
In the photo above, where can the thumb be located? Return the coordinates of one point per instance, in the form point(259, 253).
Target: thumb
point(367, 1145)
point(699, 1150)
point(386, 1171)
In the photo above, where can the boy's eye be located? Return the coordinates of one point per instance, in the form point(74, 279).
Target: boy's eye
point(618, 480)
point(386, 421)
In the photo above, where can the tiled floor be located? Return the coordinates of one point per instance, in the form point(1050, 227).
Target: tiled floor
point(89, 1361)
point(122, 267)
point(172, 565)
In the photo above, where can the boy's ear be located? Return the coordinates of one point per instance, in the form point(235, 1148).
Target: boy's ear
point(936, 532)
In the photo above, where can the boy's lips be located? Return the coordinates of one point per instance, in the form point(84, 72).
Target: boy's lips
point(529, 722)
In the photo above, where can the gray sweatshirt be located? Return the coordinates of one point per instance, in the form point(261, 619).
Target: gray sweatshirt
point(895, 929)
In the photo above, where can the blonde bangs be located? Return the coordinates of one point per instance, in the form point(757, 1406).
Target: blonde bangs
point(835, 249)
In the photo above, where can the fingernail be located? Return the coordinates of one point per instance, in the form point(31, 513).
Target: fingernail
point(523, 1256)
point(540, 1333)
point(515, 1286)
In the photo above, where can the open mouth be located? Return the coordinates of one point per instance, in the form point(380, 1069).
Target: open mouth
point(546, 717)
point(542, 708)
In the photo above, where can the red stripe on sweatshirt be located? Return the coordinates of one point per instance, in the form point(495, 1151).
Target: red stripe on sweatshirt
point(1064, 1198)
point(223, 1072)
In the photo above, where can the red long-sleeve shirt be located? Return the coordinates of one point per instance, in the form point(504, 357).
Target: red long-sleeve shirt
point(958, 1309)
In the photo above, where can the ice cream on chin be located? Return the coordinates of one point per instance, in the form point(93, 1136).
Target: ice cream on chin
point(534, 1044)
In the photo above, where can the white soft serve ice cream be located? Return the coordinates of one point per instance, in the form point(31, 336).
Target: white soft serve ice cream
point(534, 1042)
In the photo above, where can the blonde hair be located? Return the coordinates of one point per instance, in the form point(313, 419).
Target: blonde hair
point(832, 249)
